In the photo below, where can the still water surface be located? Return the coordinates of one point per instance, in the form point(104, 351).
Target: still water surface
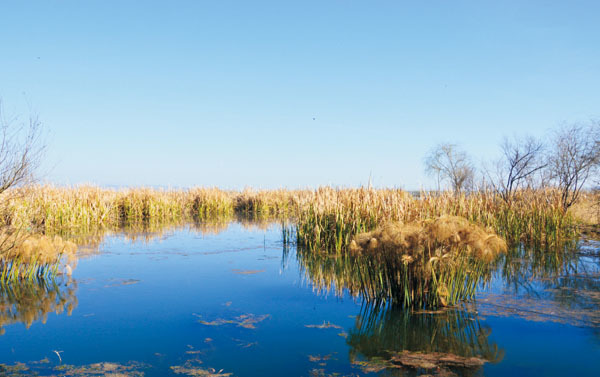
point(238, 303)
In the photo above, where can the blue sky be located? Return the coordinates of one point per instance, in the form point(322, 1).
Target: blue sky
point(223, 93)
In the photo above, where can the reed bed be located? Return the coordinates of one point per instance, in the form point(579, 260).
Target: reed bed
point(324, 219)
point(412, 272)
point(52, 210)
point(81, 209)
point(331, 218)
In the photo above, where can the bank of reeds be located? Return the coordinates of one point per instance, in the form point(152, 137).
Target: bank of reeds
point(52, 210)
point(332, 217)
point(325, 219)
point(81, 209)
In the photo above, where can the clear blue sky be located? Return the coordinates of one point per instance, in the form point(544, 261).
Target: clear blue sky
point(224, 93)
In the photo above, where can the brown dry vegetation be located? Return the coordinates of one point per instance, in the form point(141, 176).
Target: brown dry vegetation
point(80, 209)
point(434, 262)
point(587, 209)
point(531, 215)
point(31, 257)
point(325, 219)
point(331, 218)
point(431, 238)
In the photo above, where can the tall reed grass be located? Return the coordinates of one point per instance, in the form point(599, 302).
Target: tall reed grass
point(324, 219)
point(81, 209)
point(421, 265)
point(333, 217)
point(33, 257)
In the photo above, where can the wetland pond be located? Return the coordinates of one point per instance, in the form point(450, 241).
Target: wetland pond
point(236, 301)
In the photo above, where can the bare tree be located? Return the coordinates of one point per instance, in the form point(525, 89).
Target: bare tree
point(20, 154)
point(521, 160)
point(450, 164)
point(573, 158)
point(20, 150)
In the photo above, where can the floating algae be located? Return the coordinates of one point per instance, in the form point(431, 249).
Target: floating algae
point(192, 368)
point(324, 325)
point(105, 369)
point(319, 358)
point(131, 369)
point(247, 321)
point(247, 272)
point(441, 364)
point(120, 282)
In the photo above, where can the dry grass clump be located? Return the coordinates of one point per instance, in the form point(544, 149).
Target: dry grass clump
point(425, 264)
point(433, 237)
point(32, 257)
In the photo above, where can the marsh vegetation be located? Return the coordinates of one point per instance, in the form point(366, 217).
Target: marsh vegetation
point(436, 246)
point(420, 264)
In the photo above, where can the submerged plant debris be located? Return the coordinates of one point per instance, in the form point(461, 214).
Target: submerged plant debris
point(131, 369)
point(247, 272)
point(107, 369)
point(319, 358)
point(324, 325)
point(192, 368)
point(321, 372)
point(244, 343)
point(119, 282)
point(541, 310)
point(437, 363)
point(247, 321)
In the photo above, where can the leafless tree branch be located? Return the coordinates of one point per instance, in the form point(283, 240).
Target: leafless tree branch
point(448, 163)
point(573, 158)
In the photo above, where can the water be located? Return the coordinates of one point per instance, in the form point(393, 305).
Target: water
point(209, 304)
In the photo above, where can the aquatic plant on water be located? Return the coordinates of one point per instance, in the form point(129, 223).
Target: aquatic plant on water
point(25, 257)
point(426, 264)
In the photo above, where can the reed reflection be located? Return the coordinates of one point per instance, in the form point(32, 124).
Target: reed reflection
point(31, 301)
point(406, 342)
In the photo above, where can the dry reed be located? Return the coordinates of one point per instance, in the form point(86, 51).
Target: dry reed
point(325, 219)
point(430, 263)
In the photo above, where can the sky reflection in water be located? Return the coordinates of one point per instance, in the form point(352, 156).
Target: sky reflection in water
point(193, 303)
